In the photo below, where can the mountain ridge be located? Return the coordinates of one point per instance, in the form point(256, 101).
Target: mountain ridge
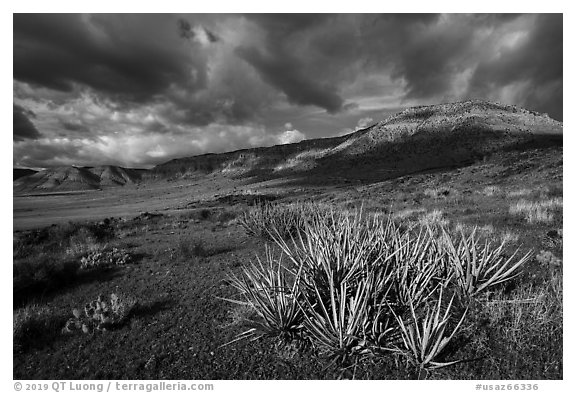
point(416, 138)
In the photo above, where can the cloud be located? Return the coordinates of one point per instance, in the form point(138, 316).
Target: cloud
point(290, 136)
point(532, 65)
point(363, 123)
point(116, 54)
point(142, 89)
point(280, 64)
point(23, 128)
point(286, 73)
point(197, 33)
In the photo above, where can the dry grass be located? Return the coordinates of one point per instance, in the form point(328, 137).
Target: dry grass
point(408, 213)
point(491, 191)
point(547, 259)
point(34, 325)
point(439, 193)
point(519, 193)
point(537, 211)
point(434, 218)
point(509, 237)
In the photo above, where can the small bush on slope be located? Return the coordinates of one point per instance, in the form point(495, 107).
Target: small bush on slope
point(34, 325)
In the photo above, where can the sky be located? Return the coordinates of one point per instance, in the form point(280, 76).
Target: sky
point(138, 90)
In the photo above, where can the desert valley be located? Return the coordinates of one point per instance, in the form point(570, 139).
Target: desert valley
point(327, 258)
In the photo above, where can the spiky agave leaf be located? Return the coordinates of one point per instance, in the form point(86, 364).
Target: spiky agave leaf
point(418, 267)
point(425, 337)
point(338, 326)
point(270, 290)
point(477, 267)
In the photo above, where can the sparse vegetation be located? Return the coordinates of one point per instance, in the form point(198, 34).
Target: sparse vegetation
point(440, 192)
point(547, 258)
point(105, 258)
point(34, 325)
point(491, 191)
point(190, 249)
point(434, 218)
point(269, 220)
point(339, 316)
point(537, 211)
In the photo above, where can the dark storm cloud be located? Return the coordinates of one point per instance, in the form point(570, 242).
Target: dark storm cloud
point(537, 61)
point(279, 66)
point(186, 30)
point(76, 127)
point(146, 88)
point(425, 56)
point(285, 72)
point(115, 54)
point(23, 128)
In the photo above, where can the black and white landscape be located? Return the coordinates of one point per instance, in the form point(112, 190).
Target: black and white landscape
point(293, 196)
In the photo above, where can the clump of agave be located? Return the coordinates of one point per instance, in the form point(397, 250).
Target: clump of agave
point(357, 287)
point(98, 259)
point(101, 314)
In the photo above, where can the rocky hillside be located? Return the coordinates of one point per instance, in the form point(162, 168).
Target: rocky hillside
point(416, 139)
point(76, 179)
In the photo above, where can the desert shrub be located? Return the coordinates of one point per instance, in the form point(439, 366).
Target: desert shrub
point(82, 242)
point(437, 193)
point(537, 211)
point(434, 218)
point(555, 191)
point(491, 191)
point(105, 258)
point(360, 288)
point(190, 249)
point(519, 193)
point(406, 214)
point(226, 216)
point(34, 325)
point(41, 274)
point(205, 214)
point(71, 238)
point(509, 237)
point(239, 315)
point(523, 331)
point(101, 314)
point(547, 259)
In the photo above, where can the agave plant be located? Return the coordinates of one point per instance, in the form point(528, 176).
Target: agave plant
point(477, 266)
point(344, 280)
point(424, 337)
point(338, 326)
point(336, 246)
point(271, 291)
point(269, 220)
point(418, 268)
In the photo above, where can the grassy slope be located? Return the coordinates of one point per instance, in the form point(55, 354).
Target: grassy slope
point(177, 331)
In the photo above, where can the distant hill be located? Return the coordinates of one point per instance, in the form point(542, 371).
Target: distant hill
point(72, 178)
point(416, 139)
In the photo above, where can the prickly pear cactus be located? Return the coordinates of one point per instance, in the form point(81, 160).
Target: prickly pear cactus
point(100, 314)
